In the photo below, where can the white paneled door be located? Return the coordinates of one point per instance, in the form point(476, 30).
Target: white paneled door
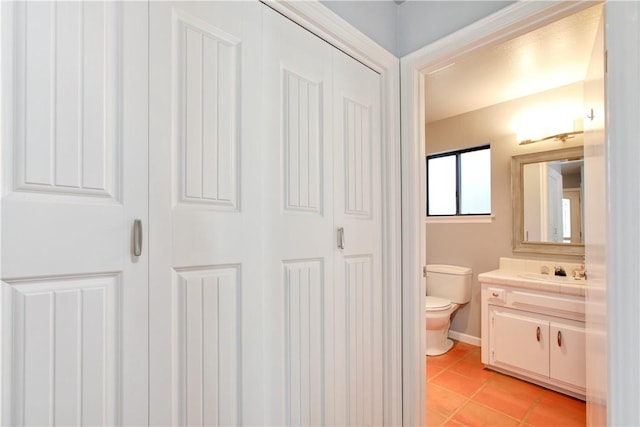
point(191, 219)
point(322, 238)
point(356, 325)
point(205, 173)
point(74, 144)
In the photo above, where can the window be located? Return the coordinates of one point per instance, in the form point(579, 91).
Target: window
point(459, 182)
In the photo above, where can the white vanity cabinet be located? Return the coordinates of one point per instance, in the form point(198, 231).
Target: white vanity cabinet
point(534, 331)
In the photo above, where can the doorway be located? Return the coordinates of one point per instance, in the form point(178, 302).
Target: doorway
point(417, 68)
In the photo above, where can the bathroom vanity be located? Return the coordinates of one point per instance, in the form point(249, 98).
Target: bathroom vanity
point(533, 325)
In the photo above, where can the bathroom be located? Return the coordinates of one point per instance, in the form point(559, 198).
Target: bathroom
point(472, 104)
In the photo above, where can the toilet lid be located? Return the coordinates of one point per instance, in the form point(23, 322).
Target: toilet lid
point(435, 303)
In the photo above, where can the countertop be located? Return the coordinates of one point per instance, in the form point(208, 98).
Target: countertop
point(515, 279)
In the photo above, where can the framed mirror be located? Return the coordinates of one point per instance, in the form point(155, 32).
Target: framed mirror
point(546, 197)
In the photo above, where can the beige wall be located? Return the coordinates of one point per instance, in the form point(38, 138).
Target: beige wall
point(480, 245)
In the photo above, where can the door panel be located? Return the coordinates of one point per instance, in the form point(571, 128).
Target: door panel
point(567, 354)
point(74, 297)
point(516, 342)
point(298, 235)
point(205, 160)
point(323, 307)
point(65, 351)
point(357, 322)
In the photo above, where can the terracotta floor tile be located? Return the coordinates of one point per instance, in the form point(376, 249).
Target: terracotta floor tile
point(459, 350)
point(514, 404)
point(452, 423)
point(471, 370)
point(571, 407)
point(440, 361)
point(458, 383)
point(544, 415)
point(511, 385)
point(474, 414)
point(435, 419)
point(432, 371)
point(474, 356)
point(442, 400)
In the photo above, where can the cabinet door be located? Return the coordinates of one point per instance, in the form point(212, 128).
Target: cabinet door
point(567, 354)
point(519, 341)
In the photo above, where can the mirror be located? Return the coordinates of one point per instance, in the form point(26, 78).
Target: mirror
point(546, 195)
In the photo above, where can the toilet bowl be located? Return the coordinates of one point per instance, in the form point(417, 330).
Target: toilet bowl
point(448, 287)
point(438, 315)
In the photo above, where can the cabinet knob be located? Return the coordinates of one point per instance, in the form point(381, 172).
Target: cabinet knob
point(559, 339)
point(495, 294)
point(538, 333)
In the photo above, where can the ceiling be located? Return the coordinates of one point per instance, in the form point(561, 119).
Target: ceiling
point(552, 56)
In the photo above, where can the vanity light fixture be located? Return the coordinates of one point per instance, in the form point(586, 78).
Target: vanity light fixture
point(558, 137)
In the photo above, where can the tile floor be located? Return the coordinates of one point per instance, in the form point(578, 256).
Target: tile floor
point(461, 392)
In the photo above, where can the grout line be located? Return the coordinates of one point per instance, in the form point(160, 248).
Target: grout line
point(532, 407)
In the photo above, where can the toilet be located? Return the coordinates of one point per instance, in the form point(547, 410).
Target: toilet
point(448, 286)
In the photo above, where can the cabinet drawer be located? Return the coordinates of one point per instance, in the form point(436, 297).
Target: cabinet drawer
point(496, 295)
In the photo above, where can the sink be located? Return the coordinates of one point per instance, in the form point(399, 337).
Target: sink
point(554, 279)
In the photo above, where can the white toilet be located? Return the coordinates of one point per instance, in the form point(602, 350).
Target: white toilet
point(448, 286)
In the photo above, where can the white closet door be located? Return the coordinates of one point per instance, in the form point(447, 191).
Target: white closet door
point(298, 208)
point(322, 306)
point(74, 141)
point(357, 297)
point(205, 175)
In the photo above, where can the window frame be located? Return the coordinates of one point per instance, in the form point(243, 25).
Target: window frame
point(458, 155)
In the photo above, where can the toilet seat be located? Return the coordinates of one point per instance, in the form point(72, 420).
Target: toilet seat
point(437, 304)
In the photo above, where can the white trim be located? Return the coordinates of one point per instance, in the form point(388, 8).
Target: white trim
point(323, 22)
point(623, 191)
point(465, 338)
point(460, 219)
point(505, 24)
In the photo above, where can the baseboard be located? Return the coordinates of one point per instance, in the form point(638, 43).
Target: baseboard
point(469, 339)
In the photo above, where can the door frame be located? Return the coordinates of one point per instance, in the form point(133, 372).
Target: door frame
point(324, 23)
point(512, 21)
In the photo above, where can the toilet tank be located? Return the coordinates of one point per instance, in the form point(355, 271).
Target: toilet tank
point(449, 281)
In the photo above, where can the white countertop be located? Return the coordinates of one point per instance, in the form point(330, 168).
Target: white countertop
point(515, 279)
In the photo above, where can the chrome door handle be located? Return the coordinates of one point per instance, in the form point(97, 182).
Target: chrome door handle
point(538, 333)
point(341, 237)
point(559, 339)
point(137, 237)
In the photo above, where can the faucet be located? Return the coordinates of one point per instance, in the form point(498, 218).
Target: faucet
point(559, 271)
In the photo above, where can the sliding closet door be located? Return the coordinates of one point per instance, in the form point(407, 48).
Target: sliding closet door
point(356, 326)
point(74, 141)
point(205, 177)
point(299, 236)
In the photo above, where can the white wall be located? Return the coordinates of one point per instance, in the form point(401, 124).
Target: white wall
point(376, 19)
point(422, 22)
point(479, 246)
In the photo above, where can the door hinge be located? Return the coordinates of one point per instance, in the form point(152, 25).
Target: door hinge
point(424, 271)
